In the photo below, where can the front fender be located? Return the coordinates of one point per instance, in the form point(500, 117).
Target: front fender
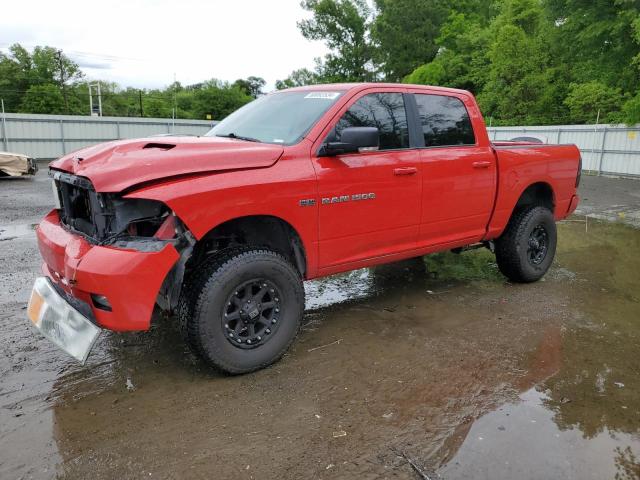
point(202, 203)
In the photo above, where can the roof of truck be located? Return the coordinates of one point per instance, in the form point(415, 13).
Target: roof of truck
point(365, 85)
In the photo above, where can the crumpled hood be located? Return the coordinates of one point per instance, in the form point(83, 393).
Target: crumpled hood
point(118, 165)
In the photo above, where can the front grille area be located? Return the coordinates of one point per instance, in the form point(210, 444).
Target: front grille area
point(105, 217)
point(82, 209)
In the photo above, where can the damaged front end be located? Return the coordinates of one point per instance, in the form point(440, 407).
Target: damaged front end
point(115, 221)
point(112, 219)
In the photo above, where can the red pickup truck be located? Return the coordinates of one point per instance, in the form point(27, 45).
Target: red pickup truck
point(223, 229)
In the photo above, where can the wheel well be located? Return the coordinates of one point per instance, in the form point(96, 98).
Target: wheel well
point(259, 230)
point(536, 194)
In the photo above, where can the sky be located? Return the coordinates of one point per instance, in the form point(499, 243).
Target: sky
point(145, 43)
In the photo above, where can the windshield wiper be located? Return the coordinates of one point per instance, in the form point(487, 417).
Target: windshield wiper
point(239, 137)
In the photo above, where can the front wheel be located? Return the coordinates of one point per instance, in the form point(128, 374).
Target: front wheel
point(525, 251)
point(242, 309)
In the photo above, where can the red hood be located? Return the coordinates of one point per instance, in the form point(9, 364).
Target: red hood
point(115, 166)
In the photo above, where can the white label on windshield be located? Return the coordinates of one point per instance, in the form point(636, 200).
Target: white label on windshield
point(323, 95)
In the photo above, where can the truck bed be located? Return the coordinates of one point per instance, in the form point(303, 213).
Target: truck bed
point(519, 162)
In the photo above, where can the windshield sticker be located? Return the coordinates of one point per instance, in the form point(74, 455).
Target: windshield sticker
point(323, 95)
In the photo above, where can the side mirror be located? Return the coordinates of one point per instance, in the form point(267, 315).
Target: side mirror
point(353, 139)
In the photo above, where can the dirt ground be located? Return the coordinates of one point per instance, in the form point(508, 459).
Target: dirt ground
point(430, 368)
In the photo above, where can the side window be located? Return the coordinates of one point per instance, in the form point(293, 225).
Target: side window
point(445, 121)
point(382, 110)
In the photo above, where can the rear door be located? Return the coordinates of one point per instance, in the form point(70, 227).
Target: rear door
point(458, 170)
point(369, 201)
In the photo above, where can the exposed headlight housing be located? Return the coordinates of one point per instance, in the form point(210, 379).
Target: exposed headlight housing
point(111, 219)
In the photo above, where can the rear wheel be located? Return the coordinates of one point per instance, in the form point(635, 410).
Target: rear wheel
point(242, 310)
point(525, 251)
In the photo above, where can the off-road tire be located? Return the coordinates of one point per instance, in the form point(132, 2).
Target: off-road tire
point(513, 247)
point(204, 298)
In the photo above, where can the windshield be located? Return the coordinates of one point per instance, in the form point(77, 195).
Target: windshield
point(282, 118)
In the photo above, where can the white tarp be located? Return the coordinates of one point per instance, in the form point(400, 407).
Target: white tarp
point(15, 164)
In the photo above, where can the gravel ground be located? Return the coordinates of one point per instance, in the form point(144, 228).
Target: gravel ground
point(611, 199)
point(430, 368)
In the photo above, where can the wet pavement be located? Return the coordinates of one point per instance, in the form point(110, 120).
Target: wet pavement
point(429, 368)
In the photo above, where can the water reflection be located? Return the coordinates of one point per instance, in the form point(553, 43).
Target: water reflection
point(522, 440)
point(430, 350)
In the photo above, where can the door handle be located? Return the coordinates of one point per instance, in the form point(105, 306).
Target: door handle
point(481, 164)
point(405, 171)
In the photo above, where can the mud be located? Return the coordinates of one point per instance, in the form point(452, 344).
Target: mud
point(437, 363)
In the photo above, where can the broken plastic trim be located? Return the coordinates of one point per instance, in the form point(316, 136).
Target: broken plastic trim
point(114, 220)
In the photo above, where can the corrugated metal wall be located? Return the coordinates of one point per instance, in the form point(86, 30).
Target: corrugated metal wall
point(51, 136)
point(609, 149)
point(605, 148)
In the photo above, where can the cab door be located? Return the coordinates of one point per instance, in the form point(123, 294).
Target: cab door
point(459, 170)
point(369, 202)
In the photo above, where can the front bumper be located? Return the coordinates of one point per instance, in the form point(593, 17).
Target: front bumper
point(130, 280)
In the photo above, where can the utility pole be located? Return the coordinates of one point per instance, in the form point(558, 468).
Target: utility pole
point(140, 97)
point(175, 103)
point(4, 127)
point(62, 80)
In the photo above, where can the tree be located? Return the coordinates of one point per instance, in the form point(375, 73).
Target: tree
point(599, 39)
point(592, 100)
point(298, 78)
point(521, 87)
point(631, 111)
point(344, 27)
point(21, 70)
point(45, 98)
point(218, 99)
point(252, 86)
point(462, 60)
point(405, 33)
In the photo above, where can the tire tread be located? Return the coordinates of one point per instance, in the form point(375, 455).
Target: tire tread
point(195, 299)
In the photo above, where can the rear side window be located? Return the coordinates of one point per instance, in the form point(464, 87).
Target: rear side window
point(445, 121)
point(384, 111)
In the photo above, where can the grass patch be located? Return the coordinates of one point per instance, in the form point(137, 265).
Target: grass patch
point(472, 265)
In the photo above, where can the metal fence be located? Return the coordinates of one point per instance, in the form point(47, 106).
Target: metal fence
point(51, 136)
point(607, 149)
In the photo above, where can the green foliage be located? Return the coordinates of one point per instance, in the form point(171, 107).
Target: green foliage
point(462, 61)
point(217, 99)
point(631, 110)
point(406, 32)
point(527, 61)
point(587, 101)
point(344, 26)
point(298, 78)
point(542, 61)
point(46, 98)
point(520, 84)
point(46, 81)
point(463, 267)
point(251, 86)
point(432, 73)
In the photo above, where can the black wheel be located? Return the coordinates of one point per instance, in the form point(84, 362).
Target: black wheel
point(242, 309)
point(525, 250)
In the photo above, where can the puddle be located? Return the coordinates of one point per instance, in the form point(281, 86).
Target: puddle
point(525, 441)
point(422, 357)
